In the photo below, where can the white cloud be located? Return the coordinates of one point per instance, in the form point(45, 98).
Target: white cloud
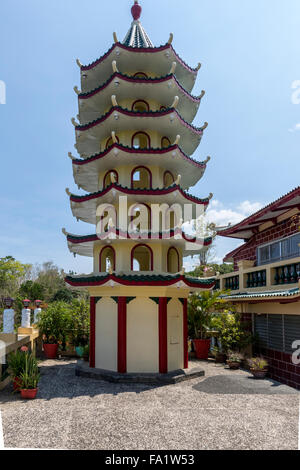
point(295, 128)
point(221, 216)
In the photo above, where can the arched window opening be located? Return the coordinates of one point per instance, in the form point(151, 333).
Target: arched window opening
point(140, 75)
point(140, 140)
point(107, 259)
point(140, 106)
point(110, 142)
point(141, 258)
point(107, 181)
point(163, 108)
point(165, 142)
point(173, 261)
point(141, 178)
point(140, 218)
point(168, 179)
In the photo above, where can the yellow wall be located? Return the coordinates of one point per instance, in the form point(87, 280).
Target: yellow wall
point(106, 353)
point(142, 336)
point(175, 335)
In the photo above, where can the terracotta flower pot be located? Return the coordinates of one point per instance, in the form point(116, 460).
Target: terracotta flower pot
point(259, 373)
point(17, 384)
point(29, 394)
point(50, 350)
point(234, 365)
point(202, 347)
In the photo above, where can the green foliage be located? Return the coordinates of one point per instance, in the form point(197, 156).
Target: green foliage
point(258, 363)
point(64, 295)
point(201, 306)
point(232, 333)
point(54, 321)
point(12, 273)
point(30, 376)
point(16, 363)
point(32, 290)
point(79, 322)
point(224, 268)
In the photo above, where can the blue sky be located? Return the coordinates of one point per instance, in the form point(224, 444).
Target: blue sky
point(249, 52)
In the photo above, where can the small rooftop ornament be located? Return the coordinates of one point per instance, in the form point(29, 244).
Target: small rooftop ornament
point(136, 11)
point(38, 303)
point(8, 301)
point(26, 303)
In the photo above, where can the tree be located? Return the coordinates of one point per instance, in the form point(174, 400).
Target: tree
point(51, 278)
point(201, 307)
point(32, 290)
point(12, 274)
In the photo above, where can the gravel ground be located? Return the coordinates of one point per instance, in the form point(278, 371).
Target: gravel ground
point(223, 410)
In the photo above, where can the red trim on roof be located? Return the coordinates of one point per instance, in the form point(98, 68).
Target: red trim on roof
point(251, 219)
point(142, 50)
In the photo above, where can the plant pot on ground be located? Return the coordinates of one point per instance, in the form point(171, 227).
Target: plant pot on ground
point(234, 360)
point(29, 378)
point(202, 347)
point(219, 355)
point(52, 324)
point(16, 365)
point(258, 367)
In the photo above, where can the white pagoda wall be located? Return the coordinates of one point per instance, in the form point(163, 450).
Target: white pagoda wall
point(175, 335)
point(106, 350)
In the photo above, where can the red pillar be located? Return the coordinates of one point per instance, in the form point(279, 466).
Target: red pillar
point(163, 335)
point(185, 336)
point(122, 335)
point(92, 331)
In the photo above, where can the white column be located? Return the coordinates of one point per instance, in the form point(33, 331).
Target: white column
point(37, 312)
point(26, 318)
point(9, 321)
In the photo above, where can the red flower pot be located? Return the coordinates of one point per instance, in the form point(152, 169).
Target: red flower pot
point(17, 383)
point(29, 394)
point(202, 347)
point(50, 350)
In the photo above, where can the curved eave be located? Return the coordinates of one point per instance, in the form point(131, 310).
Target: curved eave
point(291, 295)
point(173, 159)
point(168, 123)
point(84, 207)
point(84, 245)
point(157, 60)
point(161, 89)
point(111, 280)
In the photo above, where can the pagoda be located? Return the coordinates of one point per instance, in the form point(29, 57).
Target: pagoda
point(135, 139)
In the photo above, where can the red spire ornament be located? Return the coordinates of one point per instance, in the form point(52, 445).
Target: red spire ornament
point(136, 11)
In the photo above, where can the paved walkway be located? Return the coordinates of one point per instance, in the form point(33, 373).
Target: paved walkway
point(224, 410)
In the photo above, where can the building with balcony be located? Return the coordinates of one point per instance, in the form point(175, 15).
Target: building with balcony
point(265, 283)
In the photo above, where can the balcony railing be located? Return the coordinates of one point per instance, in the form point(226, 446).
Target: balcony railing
point(287, 274)
point(232, 283)
point(257, 279)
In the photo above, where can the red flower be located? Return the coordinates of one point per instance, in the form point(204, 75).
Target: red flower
point(24, 349)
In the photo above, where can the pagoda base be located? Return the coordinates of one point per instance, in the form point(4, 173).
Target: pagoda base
point(83, 370)
point(139, 333)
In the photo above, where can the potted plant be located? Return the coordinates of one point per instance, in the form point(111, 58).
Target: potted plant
point(52, 324)
point(79, 325)
point(201, 306)
point(234, 360)
point(258, 367)
point(29, 378)
point(219, 355)
point(233, 335)
point(16, 365)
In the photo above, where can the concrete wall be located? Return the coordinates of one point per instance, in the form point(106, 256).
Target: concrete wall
point(175, 335)
point(106, 334)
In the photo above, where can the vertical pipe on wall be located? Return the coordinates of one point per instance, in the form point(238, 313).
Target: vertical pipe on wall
point(185, 336)
point(163, 335)
point(122, 335)
point(92, 331)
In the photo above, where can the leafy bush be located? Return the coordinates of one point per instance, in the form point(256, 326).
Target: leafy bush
point(232, 333)
point(54, 321)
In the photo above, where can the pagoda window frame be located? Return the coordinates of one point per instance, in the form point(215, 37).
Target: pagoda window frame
point(140, 101)
point(167, 172)
point(143, 168)
point(138, 205)
point(142, 133)
point(161, 142)
point(108, 173)
point(100, 258)
point(172, 248)
point(107, 146)
point(151, 256)
point(140, 73)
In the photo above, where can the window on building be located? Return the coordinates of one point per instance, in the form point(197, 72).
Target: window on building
point(165, 142)
point(110, 142)
point(279, 250)
point(141, 258)
point(277, 332)
point(141, 178)
point(140, 75)
point(107, 178)
point(107, 259)
point(140, 140)
point(140, 106)
point(173, 261)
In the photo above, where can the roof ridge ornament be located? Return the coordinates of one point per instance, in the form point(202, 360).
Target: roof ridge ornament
point(136, 11)
point(170, 39)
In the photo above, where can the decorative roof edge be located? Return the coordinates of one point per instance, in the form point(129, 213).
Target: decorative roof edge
point(127, 149)
point(129, 78)
point(128, 112)
point(146, 192)
point(142, 50)
point(140, 280)
point(259, 213)
point(294, 293)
